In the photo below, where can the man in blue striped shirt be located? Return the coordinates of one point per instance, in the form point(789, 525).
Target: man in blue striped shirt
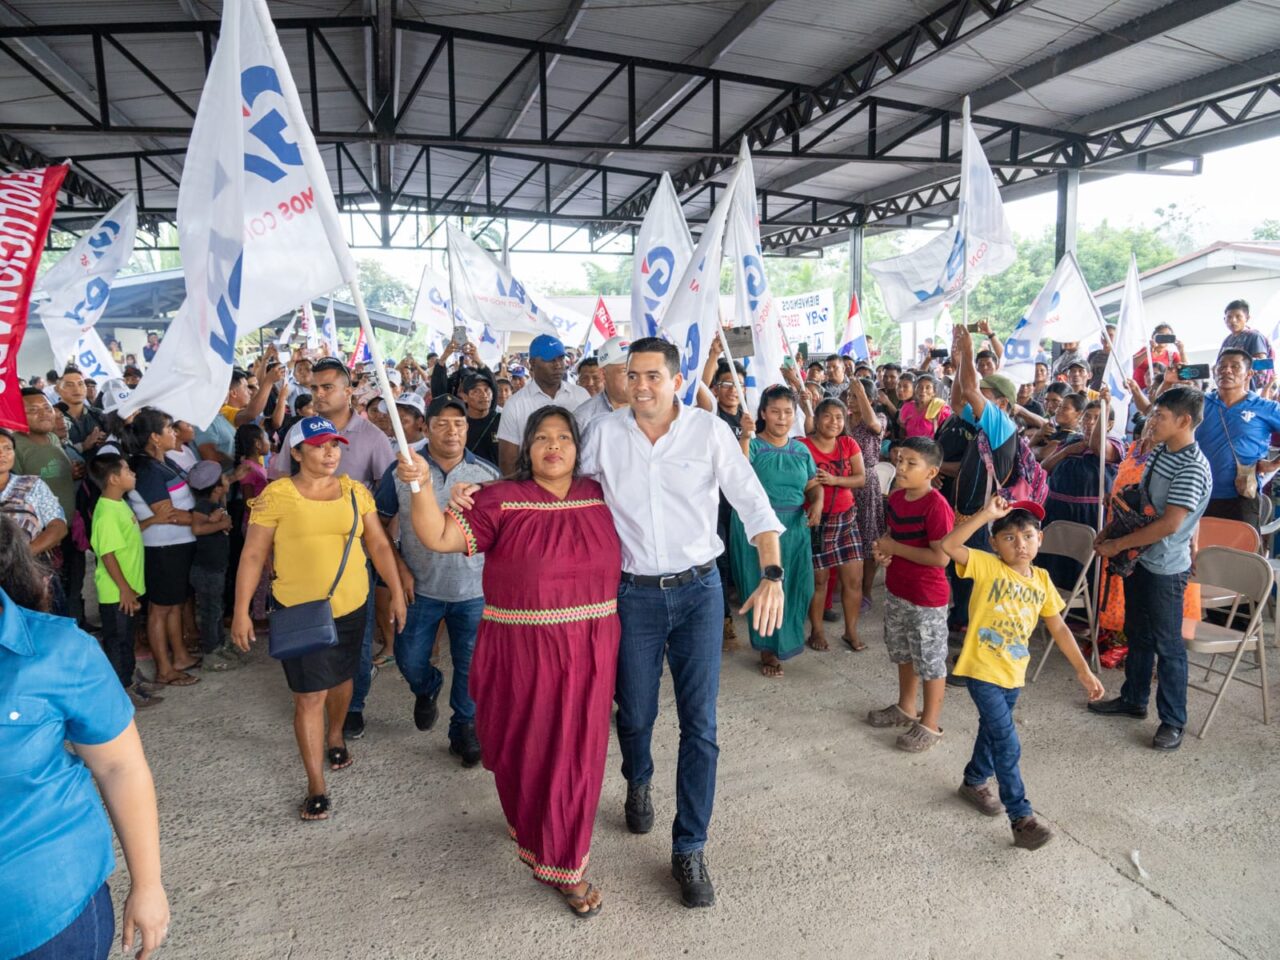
point(1178, 481)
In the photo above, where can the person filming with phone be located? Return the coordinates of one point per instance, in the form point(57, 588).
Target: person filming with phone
point(1235, 436)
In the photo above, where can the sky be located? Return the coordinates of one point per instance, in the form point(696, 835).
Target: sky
point(1237, 189)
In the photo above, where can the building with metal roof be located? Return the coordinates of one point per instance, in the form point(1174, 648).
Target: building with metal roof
point(556, 117)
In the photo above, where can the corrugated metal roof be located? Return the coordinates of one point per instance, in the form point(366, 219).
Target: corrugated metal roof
point(806, 42)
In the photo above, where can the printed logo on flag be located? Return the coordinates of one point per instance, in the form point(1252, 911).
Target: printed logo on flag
point(658, 268)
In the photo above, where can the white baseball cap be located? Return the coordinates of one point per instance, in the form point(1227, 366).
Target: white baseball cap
point(614, 350)
point(114, 392)
point(413, 402)
point(393, 376)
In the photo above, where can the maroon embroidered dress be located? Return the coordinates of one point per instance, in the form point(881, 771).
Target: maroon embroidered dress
point(546, 655)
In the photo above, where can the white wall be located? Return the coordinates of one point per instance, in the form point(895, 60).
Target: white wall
point(1195, 310)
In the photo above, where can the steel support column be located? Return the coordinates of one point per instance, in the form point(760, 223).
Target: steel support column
point(1065, 227)
point(855, 264)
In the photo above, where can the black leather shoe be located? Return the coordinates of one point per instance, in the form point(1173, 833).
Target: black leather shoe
point(639, 808)
point(690, 871)
point(1117, 707)
point(425, 711)
point(1167, 737)
point(466, 746)
point(353, 726)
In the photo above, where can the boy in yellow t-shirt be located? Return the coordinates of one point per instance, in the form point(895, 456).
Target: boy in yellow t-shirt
point(1009, 597)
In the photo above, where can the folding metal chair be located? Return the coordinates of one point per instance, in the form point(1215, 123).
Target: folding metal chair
point(1216, 532)
point(1063, 538)
point(1252, 578)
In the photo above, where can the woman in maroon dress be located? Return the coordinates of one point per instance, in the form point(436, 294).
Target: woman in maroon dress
point(543, 671)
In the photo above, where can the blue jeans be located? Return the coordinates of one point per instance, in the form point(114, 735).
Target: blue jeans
point(686, 624)
point(997, 750)
point(413, 652)
point(1153, 626)
point(364, 675)
point(87, 937)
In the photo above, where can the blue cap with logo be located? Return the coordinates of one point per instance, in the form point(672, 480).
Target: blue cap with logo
point(546, 347)
point(314, 431)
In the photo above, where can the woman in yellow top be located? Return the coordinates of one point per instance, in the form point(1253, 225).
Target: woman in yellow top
point(307, 517)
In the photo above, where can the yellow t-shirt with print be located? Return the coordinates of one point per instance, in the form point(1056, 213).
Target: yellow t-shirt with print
point(1003, 612)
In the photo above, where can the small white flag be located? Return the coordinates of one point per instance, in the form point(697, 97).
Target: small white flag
point(78, 287)
point(663, 249)
point(1064, 311)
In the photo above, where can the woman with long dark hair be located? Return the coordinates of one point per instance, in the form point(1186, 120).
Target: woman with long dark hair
point(789, 476)
point(546, 653)
point(164, 513)
point(58, 687)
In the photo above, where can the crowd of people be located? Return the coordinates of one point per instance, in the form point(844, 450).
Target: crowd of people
point(565, 525)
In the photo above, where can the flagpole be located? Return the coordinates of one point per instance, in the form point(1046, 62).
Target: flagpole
point(964, 220)
point(1098, 565)
point(733, 371)
point(380, 371)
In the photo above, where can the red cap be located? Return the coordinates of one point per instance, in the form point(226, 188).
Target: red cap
point(1030, 506)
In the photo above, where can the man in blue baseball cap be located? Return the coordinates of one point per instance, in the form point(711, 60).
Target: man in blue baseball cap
point(546, 358)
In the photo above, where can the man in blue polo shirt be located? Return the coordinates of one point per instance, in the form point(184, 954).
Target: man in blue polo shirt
point(444, 586)
point(1236, 429)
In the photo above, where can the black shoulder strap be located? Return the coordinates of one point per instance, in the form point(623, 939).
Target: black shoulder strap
point(346, 551)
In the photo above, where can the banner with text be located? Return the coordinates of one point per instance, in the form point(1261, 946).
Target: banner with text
point(810, 318)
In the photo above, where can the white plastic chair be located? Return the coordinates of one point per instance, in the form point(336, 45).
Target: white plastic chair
point(1251, 578)
point(1063, 538)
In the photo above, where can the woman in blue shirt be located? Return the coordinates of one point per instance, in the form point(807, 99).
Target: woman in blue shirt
point(55, 842)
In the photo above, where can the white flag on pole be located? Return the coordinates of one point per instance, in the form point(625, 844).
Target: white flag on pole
point(753, 300)
point(257, 224)
point(692, 316)
point(329, 331)
point(1130, 338)
point(309, 325)
point(663, 249)
point(917, 284)
point(1064, 311)
point(485, 289)
point(433, 311)
point(78, 287)
point(287, 333)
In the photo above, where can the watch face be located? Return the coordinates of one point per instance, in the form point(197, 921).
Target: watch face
point(772, 573)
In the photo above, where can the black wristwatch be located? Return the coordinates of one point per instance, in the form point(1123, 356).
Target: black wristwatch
point(772, 572)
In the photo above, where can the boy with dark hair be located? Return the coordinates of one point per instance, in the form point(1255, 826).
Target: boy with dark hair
point(1010, 596)
point(1179, 483)
point(117, 543)
point(211, 525)
point(915, 613)
point(1243, 337)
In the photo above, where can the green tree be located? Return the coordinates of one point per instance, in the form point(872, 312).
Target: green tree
point(382, 291)
point(1267, 230)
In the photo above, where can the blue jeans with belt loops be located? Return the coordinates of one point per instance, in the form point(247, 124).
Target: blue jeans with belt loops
point(685, 624)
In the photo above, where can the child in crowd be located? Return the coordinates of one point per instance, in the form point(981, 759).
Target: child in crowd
point(211, 524)
point(915, 613)
point(1063, 430)
point(920, 416)
point(116, 541)
point(1009, 597)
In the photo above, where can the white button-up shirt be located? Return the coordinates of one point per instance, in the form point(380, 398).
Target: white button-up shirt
point(664, 496)
point(525, 401)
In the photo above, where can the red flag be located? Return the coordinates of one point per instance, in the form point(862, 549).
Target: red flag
point(601, 320)
point(27, 202)
point(358, 353)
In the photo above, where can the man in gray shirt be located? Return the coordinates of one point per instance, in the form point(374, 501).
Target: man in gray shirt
point(443, 586)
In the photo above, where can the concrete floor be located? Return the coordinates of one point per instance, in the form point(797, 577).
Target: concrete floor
point(826, 841)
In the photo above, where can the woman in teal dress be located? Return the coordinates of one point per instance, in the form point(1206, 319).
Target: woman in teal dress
point(789, 476)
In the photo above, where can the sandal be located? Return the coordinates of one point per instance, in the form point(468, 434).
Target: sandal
point(339, 758)
point(855, 647)
point(570, 898)
point(771, 670)
point(890, 716)
point(817, 642)
point(316, 807)
point(919, 738)
point(181, 680)
point(382, 659)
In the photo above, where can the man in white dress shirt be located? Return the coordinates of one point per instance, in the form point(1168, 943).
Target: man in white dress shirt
point(546, 357)
point(662, 466)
